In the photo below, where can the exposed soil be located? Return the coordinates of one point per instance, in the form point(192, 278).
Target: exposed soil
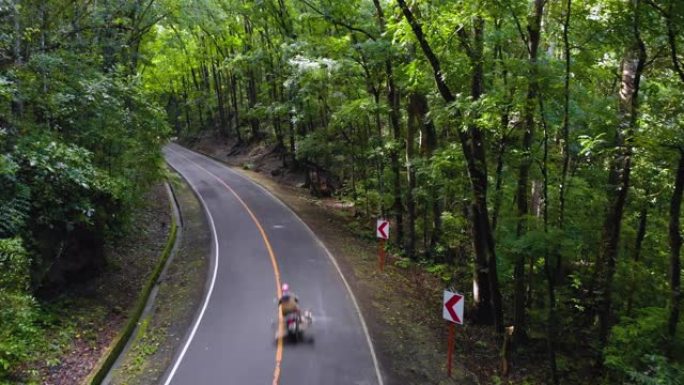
point(82, 322)
point(181, 290)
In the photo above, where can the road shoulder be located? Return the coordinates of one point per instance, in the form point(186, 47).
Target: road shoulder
point(162, 328)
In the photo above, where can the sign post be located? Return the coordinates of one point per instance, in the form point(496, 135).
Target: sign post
point(382, 232)
point(450, 346)
point(452, 311)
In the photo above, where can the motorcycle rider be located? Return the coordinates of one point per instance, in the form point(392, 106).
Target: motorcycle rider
point(289, 303)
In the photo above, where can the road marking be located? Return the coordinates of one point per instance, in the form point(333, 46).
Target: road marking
point(211, 285)
point(274, 263)
point(334, 262)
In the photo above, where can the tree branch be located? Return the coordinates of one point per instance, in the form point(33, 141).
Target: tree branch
point(523, 36)
point(427, 50)
point(338, 22)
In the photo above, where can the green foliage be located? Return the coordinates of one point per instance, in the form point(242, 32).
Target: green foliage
point(633, 352)
point(18, 329)
point(441, 270)
point(14, 263)
point(63, 181)
point(80, 142)
point(18, 311)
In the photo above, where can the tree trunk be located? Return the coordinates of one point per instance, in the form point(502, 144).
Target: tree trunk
point(236, 108)
point(499, 177)
point(417, 106)
point(501, 150)
point(566, 115)
point(641, 234)
point(488, 307)
point(618, 179)
point(220, 98)
point(393, 102)
point(251, 86)
point(17, 103)
point(675, 249)
point(675, 205)
point(534, 35)
point(427, 147)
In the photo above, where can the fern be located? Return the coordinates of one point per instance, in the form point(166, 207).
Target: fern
point(14, 213)
point(15, 202)
point(14, 264)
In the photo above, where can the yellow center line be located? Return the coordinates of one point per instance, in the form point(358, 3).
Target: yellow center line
point(274, 263)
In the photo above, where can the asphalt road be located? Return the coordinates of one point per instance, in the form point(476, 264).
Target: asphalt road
point(259, 243)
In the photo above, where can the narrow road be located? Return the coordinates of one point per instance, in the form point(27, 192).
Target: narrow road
point(259, 243)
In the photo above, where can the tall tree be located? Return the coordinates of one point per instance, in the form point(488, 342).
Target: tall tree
point(532, 40)
point(631, 68)
point(489, 309)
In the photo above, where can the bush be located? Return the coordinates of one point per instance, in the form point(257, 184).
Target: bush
point(18, 310)
point(636, 351)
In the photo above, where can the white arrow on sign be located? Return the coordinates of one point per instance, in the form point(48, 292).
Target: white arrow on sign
point(382, 229)
point(452, 309)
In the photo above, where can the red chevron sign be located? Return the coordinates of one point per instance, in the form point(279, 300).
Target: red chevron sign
point(453, 307)
point(382, 229)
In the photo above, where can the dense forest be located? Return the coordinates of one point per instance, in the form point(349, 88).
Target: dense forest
point(535, 147)
point(80, 141)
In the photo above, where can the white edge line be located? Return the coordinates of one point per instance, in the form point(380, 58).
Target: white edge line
point(179, 359)
point(351, 293)
point(330, 255)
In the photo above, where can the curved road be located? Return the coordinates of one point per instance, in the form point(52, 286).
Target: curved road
point(258, 244)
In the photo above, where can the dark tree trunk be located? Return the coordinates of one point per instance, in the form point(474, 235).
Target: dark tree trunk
point(488, 307)
point(199, 103)
point(501, 150)
point(251, 102)
point(236, 108)
point(252, 89)
point(427, 149)
point(533, 38)
point(675, 248)
point(499, 178)
point(17, 103)
point(641, 234)
point(675, 205)
point(417, 107)
point(223, 122)
point(378, 127)
point(566, 115)
point(394, 118)
point(618, 178)
point(186, 106)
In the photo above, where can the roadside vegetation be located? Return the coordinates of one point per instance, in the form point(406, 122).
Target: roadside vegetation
point(80, 143)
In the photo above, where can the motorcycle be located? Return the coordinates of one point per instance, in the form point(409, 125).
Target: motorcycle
point(296, 323)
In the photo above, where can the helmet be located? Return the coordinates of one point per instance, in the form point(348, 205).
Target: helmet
point(285, 288)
